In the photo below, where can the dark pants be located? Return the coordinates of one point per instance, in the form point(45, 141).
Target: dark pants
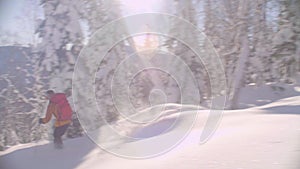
point(58, 132)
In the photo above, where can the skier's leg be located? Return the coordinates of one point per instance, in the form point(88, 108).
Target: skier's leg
point(57, 138)
point(58, 133)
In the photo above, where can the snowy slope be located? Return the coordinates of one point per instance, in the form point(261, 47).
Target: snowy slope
point(254, 138)
point(252, 96)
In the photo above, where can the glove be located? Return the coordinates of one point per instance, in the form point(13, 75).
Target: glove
point(41, 121)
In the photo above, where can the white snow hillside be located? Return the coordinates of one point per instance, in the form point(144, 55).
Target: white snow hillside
point(252, 95)
point(256, 96)
point(267, 136)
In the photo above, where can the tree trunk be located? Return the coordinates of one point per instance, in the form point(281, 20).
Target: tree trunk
point(243, 42)
point(240, 73)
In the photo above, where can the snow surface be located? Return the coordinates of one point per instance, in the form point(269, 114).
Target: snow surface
point(252, 95)
point(256, 96)
point(263, 136)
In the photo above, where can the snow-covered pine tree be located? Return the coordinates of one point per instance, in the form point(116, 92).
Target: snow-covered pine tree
point(62, 39)
point(187, 10)
point(61, 42)
point(20, 96)
point(228, 28)
point(96, 14)
point(285, 55)
point(8, 117)
point(260, 41)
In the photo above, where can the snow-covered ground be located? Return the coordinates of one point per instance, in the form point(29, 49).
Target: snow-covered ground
point(260, 137)
point(252, 95)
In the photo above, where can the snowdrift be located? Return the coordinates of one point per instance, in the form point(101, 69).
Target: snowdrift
point(265, 136)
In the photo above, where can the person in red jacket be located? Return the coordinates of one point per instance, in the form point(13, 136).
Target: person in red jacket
point(60, 108)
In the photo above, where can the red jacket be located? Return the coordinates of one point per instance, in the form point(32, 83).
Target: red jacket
point(53, 108)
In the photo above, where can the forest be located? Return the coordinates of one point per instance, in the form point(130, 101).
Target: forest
point(240, 43)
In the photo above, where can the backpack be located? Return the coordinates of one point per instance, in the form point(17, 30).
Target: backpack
point(63, 106)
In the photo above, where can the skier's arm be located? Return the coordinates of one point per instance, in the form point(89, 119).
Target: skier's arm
point(50, 110)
